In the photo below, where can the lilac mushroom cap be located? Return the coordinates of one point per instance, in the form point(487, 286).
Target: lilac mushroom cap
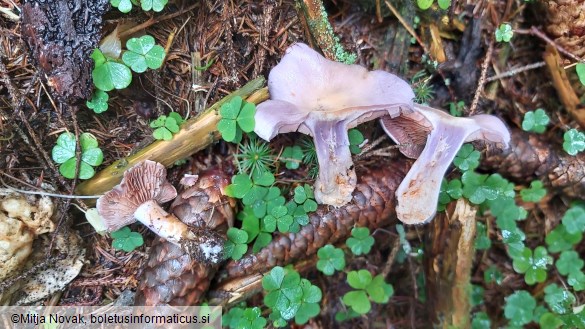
point(418, 194)
point(323, 99)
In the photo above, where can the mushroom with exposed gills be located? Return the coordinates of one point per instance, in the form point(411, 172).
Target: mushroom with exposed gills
point(418, 194)
point(138, 198)
point(323, 99)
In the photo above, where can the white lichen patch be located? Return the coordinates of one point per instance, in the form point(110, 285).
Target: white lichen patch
point(211, 251)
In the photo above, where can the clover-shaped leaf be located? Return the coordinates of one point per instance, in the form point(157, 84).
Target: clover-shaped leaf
point(278, 217)
point(574, 219)
point(507, 212)
point(533, 194)
point(569, 261)
point(549, 320)
point(519, 308)
point(126, 240)
point(309, 302)
point(272, 199)
point(64, 148)
point(577, 280)
point(123, 6)
point(558, 299)
point(108, 74)
point(245, 118)
point(98, 102)
point(369, 288)
point(359, 279)
point(360, 241)
point(304, 196)
point(574, 142)
point(504, 33)
point(143, 53)
point(237, 115)
point(479, 188)
point(467, 158)
point(450, 190)
point(250, 223)
point(292, 156)
point(378, 290)
point(155, 5)
point(299, 215)
point(532, 264)
point(330, 259)
point(284, 291)
point(560, 239)
point(262, 240)
point(356, 138)
point(513, 238)
point(236, 244)
point(240, 186)
point(535, 121)
point(251, 318)
point(64, 153)
point(166, 126)
point(358, 301)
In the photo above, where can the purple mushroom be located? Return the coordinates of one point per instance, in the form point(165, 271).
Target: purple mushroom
point(418, 194)
point(323, 99)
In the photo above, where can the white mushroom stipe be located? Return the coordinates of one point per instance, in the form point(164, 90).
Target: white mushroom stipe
point(322, 98)
point(161, 222)
point(418, 194)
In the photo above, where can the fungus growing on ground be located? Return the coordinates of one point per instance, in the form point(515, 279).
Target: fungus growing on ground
point(324, 99)
point(138, 197)
point(418, 194)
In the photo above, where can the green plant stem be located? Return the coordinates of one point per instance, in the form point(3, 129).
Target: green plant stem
point(195, 134)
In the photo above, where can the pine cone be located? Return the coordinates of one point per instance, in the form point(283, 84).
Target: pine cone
point(171, 276)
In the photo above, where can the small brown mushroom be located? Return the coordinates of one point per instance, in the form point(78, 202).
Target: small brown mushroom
point(138, 197)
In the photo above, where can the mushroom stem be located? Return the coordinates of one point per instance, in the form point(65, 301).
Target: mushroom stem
point(337, 179)
point(425, 177)
point(162, 223)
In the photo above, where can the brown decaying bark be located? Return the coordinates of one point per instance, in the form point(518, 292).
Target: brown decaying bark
point(449, 259)
point(566, 22)
point(171, 275)
point(373, 206)
point(530, 156)
point(61, 35)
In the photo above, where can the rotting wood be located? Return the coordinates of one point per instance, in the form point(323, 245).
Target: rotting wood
point(449, 259)
point(195, 135)
point(61, 35)
point(320, 31)
point(563, 86)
